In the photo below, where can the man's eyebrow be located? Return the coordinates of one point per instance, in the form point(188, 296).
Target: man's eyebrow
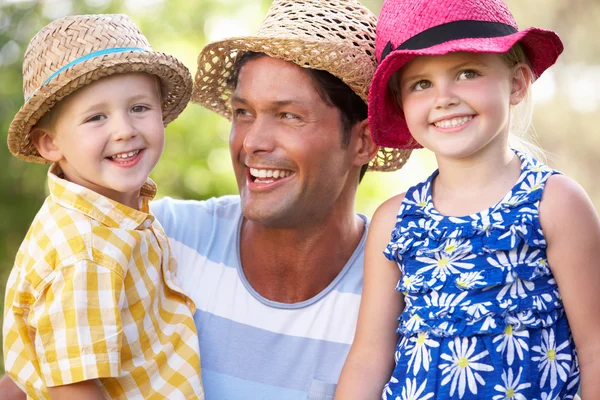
point(238, 99)
point(276, 103)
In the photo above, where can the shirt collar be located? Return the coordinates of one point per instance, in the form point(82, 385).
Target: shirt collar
point(100, 208)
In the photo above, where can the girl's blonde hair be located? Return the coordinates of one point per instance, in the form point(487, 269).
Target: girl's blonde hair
point(521, 133)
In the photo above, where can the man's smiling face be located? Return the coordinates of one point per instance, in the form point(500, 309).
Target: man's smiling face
point(285, 145)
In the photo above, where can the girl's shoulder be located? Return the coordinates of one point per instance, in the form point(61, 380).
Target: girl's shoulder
point(564, 201)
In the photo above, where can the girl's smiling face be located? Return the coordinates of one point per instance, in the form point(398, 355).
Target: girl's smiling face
point(458, 104)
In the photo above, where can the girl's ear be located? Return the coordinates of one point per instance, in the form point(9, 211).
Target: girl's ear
point(520, 83)
point(45, 144)
point(365, 149)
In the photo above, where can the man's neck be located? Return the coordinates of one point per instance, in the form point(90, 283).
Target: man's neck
point(294, 265)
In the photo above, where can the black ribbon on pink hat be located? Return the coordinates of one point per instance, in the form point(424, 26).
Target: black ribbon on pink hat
point(455, 30)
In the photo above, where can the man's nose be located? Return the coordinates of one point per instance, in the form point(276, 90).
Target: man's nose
point(260, 136)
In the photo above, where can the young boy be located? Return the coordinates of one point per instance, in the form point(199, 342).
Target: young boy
point(93, 308)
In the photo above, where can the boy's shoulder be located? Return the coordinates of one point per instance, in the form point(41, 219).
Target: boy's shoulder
point(58, 236)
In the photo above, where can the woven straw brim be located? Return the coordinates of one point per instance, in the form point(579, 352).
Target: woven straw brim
point(175, 79)
point(217, 59)
point(388, 126)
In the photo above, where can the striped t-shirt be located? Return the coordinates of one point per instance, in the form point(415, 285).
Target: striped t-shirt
point(253, 348)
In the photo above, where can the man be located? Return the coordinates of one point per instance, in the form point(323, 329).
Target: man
point(276, 272)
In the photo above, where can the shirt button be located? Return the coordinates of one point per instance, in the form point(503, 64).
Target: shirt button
point(147, 223)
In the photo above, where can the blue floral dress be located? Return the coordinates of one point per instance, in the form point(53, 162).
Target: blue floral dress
point(484, 317)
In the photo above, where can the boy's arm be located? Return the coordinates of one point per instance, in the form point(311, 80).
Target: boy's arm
point(87, 390)
point(371, 358)
point(9, 390)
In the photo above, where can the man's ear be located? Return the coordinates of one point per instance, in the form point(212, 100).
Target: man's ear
point(364, 148)
point(520, 83)
point(45, 144)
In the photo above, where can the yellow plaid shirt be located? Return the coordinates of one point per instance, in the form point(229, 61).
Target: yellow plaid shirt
point(93, 294)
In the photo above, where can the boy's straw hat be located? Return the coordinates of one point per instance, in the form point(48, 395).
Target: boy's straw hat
point(337, 36)
point(410, 28)
point(74, 51)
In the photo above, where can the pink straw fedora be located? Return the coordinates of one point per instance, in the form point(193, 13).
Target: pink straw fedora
point(410, 28)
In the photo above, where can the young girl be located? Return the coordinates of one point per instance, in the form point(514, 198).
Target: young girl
point(495, 254)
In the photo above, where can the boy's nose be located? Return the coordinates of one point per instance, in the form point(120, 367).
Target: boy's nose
point(124, 129)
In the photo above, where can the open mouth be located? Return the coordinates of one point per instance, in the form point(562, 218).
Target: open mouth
point(127, 158)
point(124, 156)
point(453, 122)
point(268, 175)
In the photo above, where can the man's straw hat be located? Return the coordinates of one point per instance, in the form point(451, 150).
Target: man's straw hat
point(337, 36)
point(74, 51)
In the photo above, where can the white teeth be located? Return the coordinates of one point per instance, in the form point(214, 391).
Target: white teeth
point(269, 173)
point(125, 155)
point(451, 123)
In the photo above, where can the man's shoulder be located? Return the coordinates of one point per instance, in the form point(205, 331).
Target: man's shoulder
point(168, 210)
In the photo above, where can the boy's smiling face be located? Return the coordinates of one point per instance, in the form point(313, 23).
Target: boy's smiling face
point(108, 135)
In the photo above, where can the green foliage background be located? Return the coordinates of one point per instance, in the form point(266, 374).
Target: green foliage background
point(196, 161)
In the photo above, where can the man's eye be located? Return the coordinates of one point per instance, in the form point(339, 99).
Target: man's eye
point(287, 115)
point(239, 112)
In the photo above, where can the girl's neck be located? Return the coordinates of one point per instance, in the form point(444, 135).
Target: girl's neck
point(469, 185)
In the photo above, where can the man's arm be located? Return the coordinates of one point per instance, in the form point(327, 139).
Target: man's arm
point(9, 390)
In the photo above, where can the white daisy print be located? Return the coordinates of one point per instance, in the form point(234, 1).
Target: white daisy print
point(463, 367)
point(553, 364)
point(419, 352)
point(532, 183)
point(470, 280)
point(478, 310)
point(511, 259)
point(414, 323)
point(412, 283)
point(446, 299)
point(511, 387)
point(386, 390)
point(448, 261)
point(411, 392)
point(512, 343)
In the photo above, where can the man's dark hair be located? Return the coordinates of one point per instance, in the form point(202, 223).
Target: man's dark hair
point(332, 90)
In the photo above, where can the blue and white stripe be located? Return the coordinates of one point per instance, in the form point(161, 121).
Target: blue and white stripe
point(252, 347)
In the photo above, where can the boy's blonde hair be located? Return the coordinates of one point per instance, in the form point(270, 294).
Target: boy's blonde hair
point(521, 132)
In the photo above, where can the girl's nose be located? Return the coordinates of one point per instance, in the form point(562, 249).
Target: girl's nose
point(445, 96)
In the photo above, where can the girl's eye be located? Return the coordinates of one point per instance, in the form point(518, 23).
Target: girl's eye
point(139, 109)
point(421, 85)
point(468, 74)
point(94, 118)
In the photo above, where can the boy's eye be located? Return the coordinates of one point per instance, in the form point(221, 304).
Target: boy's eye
point(468, 74)
point(421, 85)
point(139, 109)
point(97, 117)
